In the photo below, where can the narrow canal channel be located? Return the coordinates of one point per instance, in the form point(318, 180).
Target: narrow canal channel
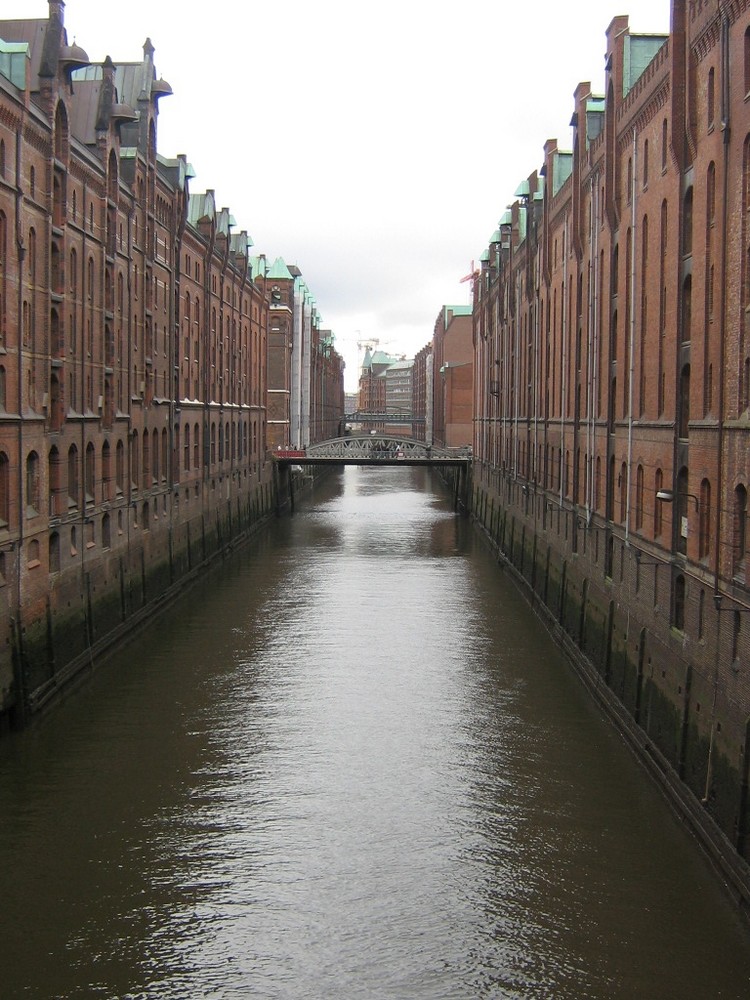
point(349, 765)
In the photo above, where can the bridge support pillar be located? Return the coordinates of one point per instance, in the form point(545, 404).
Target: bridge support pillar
point(461, 488)
point(283, 486)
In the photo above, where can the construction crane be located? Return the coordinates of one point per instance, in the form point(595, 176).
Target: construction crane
point(371, 343)
point(367, 345)
point(472, 277)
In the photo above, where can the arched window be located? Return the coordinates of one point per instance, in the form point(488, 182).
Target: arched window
point(615, 269)
point(146, 458)
point(164, 453)
point(678, 603)
point(55, 481)
point(629, 188)
point(710, 99)
point(61, 133)
point(187, 448)
point(73, 489)
point(134, 461)
point(664, 145)
point(645, 163)
point(106, 472)
point(54, 552)
point(687, 223)
point(119, 466)
point(32, 484)
point(747, 61)
point(155, 456)
point(704, 523)
point(90, 473)
point(740, 529)
point(4, 489)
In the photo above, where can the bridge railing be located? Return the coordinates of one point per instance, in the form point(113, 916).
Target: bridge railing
point(373, 447)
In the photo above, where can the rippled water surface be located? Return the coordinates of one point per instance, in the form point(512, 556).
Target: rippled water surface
point(349, 765)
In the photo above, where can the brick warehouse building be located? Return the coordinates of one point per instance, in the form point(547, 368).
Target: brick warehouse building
point(453, 377)
point(132, 360)
point(612, 395)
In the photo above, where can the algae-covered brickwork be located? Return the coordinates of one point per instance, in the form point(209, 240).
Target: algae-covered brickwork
point(95, 603)
point(675, 706)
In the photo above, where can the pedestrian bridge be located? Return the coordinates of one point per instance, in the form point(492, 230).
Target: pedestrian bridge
point(374, 449)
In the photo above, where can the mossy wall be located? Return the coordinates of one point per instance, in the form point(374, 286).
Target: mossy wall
point(95, 603)
point(646, 667)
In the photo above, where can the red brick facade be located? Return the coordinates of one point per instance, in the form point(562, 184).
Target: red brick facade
point(612, 349)
point(132, 359)
point(453, 377)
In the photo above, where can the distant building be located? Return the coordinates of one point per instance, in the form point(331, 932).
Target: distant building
point(398, 397)
point(305, 372)
point(372, 387)
point(453, 364)
point(422, 394)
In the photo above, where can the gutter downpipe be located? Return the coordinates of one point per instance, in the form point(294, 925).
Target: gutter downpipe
point(497, 349)
point(564, 386)
point(537, 374)
point(16, 623)
point(517, 352)
point(725, 127)
point(722, 332)
point(631, 370)
point(592, 292)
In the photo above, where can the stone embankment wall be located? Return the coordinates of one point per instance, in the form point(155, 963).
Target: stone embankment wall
point(95, 604)
point(660, 691)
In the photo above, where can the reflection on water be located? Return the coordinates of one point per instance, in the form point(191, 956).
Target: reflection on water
point(351, 765)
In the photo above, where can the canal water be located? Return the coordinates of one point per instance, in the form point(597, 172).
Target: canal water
point(349, 765)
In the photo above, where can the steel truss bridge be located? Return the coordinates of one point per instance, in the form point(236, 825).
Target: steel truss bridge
point(363, 417)
point(372, 449)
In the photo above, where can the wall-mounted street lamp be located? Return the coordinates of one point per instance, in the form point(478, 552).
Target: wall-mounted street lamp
point(668, 496)
point(718, 598)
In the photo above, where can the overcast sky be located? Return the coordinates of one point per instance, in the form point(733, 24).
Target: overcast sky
point(374, 145)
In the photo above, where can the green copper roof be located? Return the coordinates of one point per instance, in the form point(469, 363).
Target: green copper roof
point(450, 311)
point(201, 206)
point(279, 270)
point(13, 59)
point(639, 51)
point(562, 169)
